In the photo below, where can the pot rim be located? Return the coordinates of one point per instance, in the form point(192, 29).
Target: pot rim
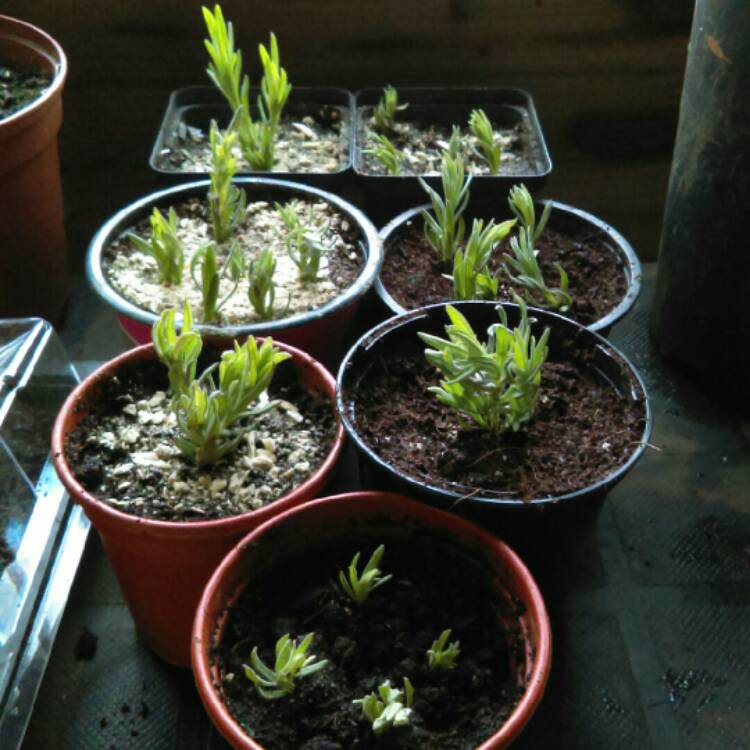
point(196, 529)
point(621, 247)
point(383, 329)
point(111, 229)
point(391, 503)
point(25, 33)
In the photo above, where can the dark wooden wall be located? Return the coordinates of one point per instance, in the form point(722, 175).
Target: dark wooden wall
point(606, 75)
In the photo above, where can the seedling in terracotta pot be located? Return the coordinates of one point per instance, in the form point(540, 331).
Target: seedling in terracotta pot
point(292, 663)
point(387, 154)
point(359, 587)
point(389, 707)
point(445, 229)
point(384, 115)
point(164, 246)
point(494, 384)
point(443, 655)
point(488, 144)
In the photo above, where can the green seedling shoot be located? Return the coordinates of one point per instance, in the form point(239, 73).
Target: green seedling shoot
point(488, 144)
point(261, 290)
point(444, 228)
point(493, 385)
point(443, 655)
point(384, 114)
point(164, 246)
point(389, 707)
point(386, 154)
point(292, 663)
point(359, 587)
point(210, 277)
point(178, 351)
point(226, 202)
point(304, 241)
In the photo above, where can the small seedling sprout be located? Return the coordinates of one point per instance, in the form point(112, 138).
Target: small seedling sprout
point(454, 143)
point(489, 145)
point(206, 413)
point(386, 109)
point(226, 202)
point(443, 655)
point(225, 63)
point(359, 587)
point(493, 385)
point(292, 663)
point(522, 267)
point(164, 246)
point(305, 242)
point(445, 227)
point(261, 290)
point(210, 277)
point(388, 707)
point(472, 277)
point(387, 154)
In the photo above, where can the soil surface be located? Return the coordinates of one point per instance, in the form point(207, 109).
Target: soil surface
point(582, 431)
point(19, 88)
point(303, 144)
point(386, 638)
point(423, 145)
point(414, 275)
point(124, 452)
point(135, 275)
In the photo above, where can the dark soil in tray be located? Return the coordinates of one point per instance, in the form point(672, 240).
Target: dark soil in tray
point(582, 431)
point(175, 489)
point(413, 273)
point(19, 88)
point(385, 638)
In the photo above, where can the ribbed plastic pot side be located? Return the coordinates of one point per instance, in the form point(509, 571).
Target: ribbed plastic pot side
point(162, 566)
point(627, 259)
point(333, 515)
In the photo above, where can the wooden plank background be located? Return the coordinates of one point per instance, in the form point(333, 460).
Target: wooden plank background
point(606, 76)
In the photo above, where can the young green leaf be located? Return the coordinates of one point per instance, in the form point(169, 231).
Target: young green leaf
point(384, 115)
point(261, 286)
point(225, 64)
point(210, 277)
point(489, 145)
point(387, 154)
point(493, 385)
point(178, 352)
point(226, 202)
point(445, 227)
point(443, 655)
point(389, 707)
point(522, 205)
point(304, 241)
point(164, 246)
point(292, 663)
point(359, 587)
point(455, 143)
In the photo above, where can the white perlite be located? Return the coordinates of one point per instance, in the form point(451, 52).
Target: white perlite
point(135, 275)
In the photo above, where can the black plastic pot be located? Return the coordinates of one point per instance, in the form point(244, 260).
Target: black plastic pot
point(321, 332)
point(506, 107)
point(399, 335)
point(196, 106)
point(562, 216)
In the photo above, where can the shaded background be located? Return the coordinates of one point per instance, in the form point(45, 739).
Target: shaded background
point(606, 76)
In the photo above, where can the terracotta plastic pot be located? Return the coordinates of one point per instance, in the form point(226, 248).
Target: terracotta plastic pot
point(33, 262)
point(321, 331)
point(399, 335)
point(163, 566)
point(331, 517)
point(562, 216)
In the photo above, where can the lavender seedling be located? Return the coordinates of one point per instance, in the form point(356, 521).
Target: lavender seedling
point(179, 352)
point(210, 277)
point(384, 114)
point(292, 663)
point(359, 587)
point(453, 148)
point(388, 707)
point(226, 202)
point(225, 64)
point(489, 145)
point(443, 655)
point(522, 267)
point(445, 229)
point(387, 154)
point(261, 286)
point(493, 385)
point(305, 243)
point(472, 277)
point(164, 246)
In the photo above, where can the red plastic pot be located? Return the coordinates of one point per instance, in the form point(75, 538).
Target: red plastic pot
point(163, 566)
point(33, 263)
point(332, 516)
